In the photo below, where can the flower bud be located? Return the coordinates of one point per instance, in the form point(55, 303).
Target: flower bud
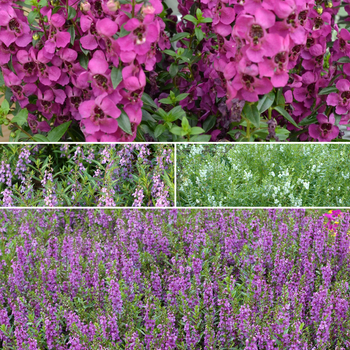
point(319, 9)
point(85, 6)
point(36, 36)
point(113, 5)
point(329, 4)
point(13, 135)
point(147, 9)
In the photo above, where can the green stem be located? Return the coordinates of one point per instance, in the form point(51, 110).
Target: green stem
point(248, 129)
point(133, 4)
point(24, 132)
point(270, 112)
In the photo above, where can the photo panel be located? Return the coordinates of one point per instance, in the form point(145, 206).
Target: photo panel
point(263, 175)
point(87, 175)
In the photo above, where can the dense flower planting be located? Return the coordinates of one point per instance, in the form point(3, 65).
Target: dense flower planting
point(236, 70)
point(177, 279)
point(263, 175)
point(87, 175)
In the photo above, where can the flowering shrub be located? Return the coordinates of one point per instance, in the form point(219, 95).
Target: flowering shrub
point(236, 70)
point(266, 175)
point(86, 175)
point(210, 279)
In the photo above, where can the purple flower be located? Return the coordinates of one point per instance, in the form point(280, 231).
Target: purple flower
point(325, 130)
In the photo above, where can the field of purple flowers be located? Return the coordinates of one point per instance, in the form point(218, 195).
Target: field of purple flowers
point(174, 279)
point(86, 175)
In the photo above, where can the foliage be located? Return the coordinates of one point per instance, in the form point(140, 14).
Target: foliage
point(86, 175)
point(264, 175)
point(172, 279)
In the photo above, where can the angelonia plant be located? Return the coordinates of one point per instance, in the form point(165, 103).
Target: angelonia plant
point(86, 175)
point(132, 70)
point(174, 279)
point(263, 175)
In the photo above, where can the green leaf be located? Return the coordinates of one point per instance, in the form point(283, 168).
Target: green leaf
point(286, 115)
point(124, 123)
point(266, 102)
point(176, 130)
point(196, 130)
point(71, 13)
point(159, 130)
point(177, 112)
point(56, 134)
point(191, 19)
point(116, 76)
point(185, 125)
point(43, 3)
point(31, 16)
point(206, 20)
point(280, 100)
point(1, 134)
point(308, 121)
point(147, 99)
point(209, 123)
point(40, 138)
point(344, 59)
point(21, 117)
point(173, 69)
point(179, 36)
point(71, 31)
point(86, 52)
point(2, 81)
point(166, 101)
point(123, 32)
point(199, 34)
point(200, 138)
point(328, 90)
point(251, 113)
point(5, 107)
point(181, 97)
point(84, 61)
point(170, 53)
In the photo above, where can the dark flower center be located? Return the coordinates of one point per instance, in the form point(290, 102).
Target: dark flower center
point(46, 104)
point(326, 127)
point(319, 60)
point(256, 32)
point(98, 8)
point(248, 80)
point(42, 67)
point(345, 96)
point(29, 67)
point(17, 90)
point(75, 101)
point(302, 17)
point(342, 43)
point(318, 23)
point(98, 113)
point(310, 42)
point(291, 20)
point(101, 81)
point(281, 58)
point(93, 29)
point(14, 25)
point(311, 88)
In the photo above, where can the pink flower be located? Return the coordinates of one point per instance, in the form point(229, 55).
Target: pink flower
point(16, 30)
point(254, 30)
point(325, 130)
point(99, 115)
point(277, 67)
point(341, 99)
point(89, 41)
point(141, 37)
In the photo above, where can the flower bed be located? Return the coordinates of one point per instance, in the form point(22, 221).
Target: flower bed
point(178, 279)
point(86, 175)
point(263, 175)
point(124, 70)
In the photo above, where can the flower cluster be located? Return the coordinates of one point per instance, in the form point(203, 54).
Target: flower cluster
point(264, 175)
point(89, 175)
point(81, 61)
point(169, 279)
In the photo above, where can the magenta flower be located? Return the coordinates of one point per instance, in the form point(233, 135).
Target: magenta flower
point(342, 45)
point(341, 99)
point(46, 103)
point(99, 115)
point(140, 38)
point(325, 130)
point(57, 38)
point(254, 30)
point(277, 67)
point(74, 100)
point(15, 31)
point(19, 92)
point(88, 41)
